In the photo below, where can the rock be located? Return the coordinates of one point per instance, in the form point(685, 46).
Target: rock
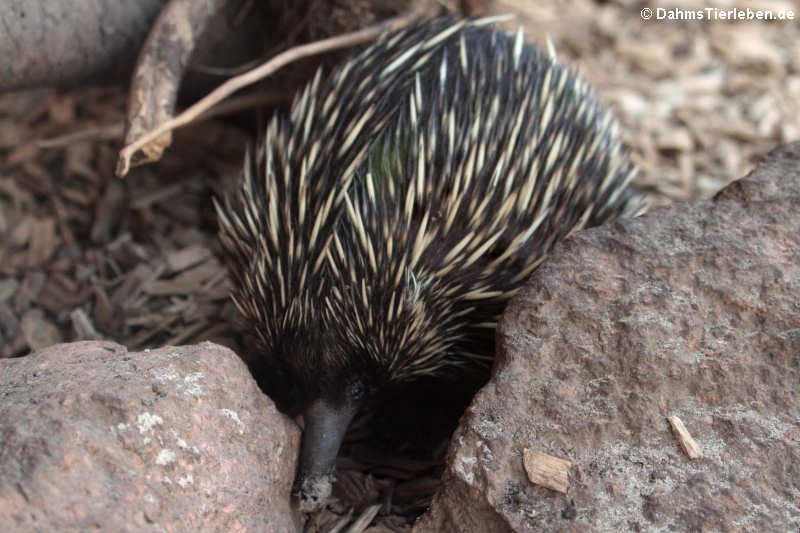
point(177, 439)
point(691, 311)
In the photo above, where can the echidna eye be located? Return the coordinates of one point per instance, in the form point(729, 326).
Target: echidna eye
point(356, 391)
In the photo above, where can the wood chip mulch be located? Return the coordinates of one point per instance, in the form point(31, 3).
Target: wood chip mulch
point(87, 256)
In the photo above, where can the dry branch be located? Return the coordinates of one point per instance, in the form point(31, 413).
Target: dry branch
point(153, 142)
point(160, 68)
point(65, 43)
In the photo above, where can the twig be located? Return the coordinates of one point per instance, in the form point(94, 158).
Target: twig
point(234, 84)
point(245, 101)
point(94, 133)
point(112, 132)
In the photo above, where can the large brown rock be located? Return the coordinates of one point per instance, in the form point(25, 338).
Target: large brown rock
point(93, 438)
point(692, 310)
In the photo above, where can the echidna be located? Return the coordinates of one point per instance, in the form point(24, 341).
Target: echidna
point(380, 229)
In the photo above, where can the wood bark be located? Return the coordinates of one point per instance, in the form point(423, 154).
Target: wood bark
point(43, 42)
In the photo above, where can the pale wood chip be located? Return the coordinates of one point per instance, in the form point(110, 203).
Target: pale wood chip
point(82, 325)
point(142, 337)
point(80, 161)
point(10, 133)
point(217, 290)
point(546, 470)
point(185, 334)
point(62, 109)
point(61, 216)
point(215, 332)
point(29, 290)
point(43, 242)
point(55, 296)
point(103, 312)
point(188, 282)
point(66, 282)
point(131, 287)
point(341, 522)
point(112, 207)
point(180, 260)
point(353, 488)
point(678, 139)
point(148, 320)
point(651, 57)
point(19, 197)
point(21, 233)
point(38, 331)
point(789, 132)
point(9, 326)
point(8, 287)
point(689, 445)
point(366, 517)
point(749, 47)
point(200, 273)
point(24, 152)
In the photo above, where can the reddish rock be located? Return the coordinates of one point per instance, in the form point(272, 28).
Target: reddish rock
point(93, 438)
point(693, 311)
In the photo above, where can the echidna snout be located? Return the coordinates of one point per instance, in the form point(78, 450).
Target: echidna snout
point(325, 426)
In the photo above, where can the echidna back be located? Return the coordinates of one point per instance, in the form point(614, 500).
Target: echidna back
point(496, 153)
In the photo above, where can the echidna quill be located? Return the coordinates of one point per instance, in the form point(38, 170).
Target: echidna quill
point(379, 230)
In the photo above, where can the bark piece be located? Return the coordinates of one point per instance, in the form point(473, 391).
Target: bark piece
point(38, 331)
point(63, 43)
point(160, 68)
point(82, 325)
point(688, 444)
point(43, 242)
point(184, 258)
point(546, 470)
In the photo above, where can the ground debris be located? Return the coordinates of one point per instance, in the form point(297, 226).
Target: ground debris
point(84, 255)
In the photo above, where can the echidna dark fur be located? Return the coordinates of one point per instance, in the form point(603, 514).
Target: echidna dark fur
point(380, 229)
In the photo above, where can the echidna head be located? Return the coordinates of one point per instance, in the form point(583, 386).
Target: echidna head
point(306, 360)
point(333, 387)
point(373, 335)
